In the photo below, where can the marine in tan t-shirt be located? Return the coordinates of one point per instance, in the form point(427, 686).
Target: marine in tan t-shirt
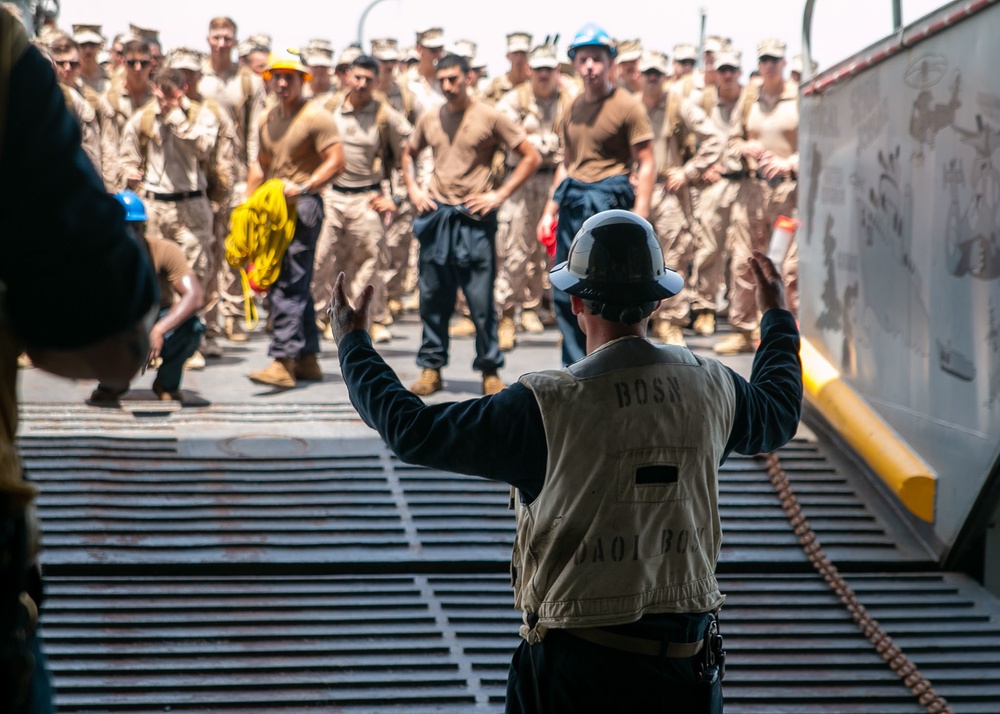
point(598, 136)
point(459, 250)
point(463, 144)
point(294, 143)
point(300, 145)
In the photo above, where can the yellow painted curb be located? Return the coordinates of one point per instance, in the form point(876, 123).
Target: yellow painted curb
point(906, 474)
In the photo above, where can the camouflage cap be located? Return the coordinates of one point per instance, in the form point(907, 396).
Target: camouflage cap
point(715, 44)
point(518, 42)
point(431, 38)
point(317, 58)
point(685, 52)
point(728, 58)
point(385, 49)
point(144, 33)
point(319, 45)
point(543, 56)
point(653, 61)
point(184, 58)
point(796, 64)
point(771, 48)
point(88, 35)
point(348, 55)
point(628, 51)
point(260, 41)
point(464, 48)
point(244, 48)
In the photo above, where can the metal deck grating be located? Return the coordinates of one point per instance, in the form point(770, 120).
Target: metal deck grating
point(142, 502)
point(442, 643)
point(183, 578)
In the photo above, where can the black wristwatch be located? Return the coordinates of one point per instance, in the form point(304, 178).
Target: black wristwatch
point(303, 190)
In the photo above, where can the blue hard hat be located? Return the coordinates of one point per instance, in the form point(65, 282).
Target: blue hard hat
point(135, 211)
point(590, 35)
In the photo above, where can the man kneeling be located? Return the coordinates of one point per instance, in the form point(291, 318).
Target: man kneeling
point(177, 332)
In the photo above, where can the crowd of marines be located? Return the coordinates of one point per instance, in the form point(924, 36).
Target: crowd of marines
point(709, 159)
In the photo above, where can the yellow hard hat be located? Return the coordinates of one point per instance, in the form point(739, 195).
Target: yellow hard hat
point(291, 62)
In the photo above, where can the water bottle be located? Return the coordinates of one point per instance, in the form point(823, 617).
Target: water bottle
point(781, 239)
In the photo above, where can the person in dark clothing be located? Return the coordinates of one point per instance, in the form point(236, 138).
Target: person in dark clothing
point(61, 225)
point(615, 460)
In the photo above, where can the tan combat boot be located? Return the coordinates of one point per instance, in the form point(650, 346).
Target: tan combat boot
point(195, 361)
point(307, 369)
point(166, 395)
point(278, 374)
point(704, 323)
point(737, 343)
point(530, 323)
point(233, 330)
point(507, 333)
point(492, 383)
point(379, 333)
point(429, 382)
point(669, 334)
point(462, 327)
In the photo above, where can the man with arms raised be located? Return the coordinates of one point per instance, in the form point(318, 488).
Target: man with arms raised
point(615, 463)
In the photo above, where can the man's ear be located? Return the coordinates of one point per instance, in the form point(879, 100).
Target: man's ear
point(576, 304)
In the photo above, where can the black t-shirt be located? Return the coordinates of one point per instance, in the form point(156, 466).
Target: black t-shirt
point(73, 274)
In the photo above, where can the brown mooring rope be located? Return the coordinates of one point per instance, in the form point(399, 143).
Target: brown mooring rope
point(891, 652)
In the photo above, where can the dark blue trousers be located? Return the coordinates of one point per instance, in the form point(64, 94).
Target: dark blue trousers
point(578, 201)
point(563, 673)
point(457, 251)
point(177, 347)
point(292, 307)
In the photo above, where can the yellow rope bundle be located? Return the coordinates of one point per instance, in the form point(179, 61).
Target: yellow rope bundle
point(259, 233)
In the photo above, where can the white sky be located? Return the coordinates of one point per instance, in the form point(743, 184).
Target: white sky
point(840, 27)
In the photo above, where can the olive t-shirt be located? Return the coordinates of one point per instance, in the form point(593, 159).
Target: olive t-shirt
point(294, 143)
point(599, 136)
point(170, 266)
point(463, 144)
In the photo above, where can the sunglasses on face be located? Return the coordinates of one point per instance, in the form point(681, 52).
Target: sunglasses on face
point(728, 70)
point(72, 64)
point(768, 58)
point(142, 63)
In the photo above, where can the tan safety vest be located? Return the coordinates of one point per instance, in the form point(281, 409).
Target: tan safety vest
point(627, 522)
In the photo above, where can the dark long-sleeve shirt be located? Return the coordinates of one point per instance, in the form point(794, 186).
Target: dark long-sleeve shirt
point(501, 437)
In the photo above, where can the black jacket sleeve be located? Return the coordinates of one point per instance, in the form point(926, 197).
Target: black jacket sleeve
point(498, 437)
point(769, 405)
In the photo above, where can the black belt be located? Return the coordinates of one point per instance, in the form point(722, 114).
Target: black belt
point(637, 645)
point(735, 175)
point(180, 196)
point(356, 189)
